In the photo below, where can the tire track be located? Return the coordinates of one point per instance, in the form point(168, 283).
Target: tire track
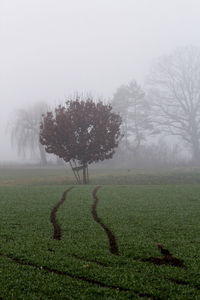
point(56, 226)
point(64, 273)
point(113, 249)
point(111, 237)
point(38, 267)
point(166, 259)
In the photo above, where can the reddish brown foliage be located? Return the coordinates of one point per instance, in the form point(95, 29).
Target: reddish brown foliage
point(81, 131)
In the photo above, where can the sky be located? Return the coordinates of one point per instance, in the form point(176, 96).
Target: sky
point(52, 48)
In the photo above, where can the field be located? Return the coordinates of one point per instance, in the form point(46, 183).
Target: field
point(99, 241)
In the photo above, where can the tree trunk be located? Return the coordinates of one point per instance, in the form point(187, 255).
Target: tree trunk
point(85, 174)
point(195, 152)
point(43, 157)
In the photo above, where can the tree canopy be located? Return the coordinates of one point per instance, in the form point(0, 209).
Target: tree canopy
point(174, 94)
point(130, 102)
point(81, 132)
point(25, 130)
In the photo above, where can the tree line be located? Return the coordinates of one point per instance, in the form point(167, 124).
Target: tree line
point(167, 105)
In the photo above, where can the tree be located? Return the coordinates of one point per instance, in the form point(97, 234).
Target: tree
point(174, 84)
point(130, 101)
point(81, 132)
point(25, 130)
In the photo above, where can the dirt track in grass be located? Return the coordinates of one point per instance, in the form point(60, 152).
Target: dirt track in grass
point(56, 227)
point(166, 259)
point(76, 277)
point(111, 237)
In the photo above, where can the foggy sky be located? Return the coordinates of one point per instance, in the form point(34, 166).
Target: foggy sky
point(51, 48)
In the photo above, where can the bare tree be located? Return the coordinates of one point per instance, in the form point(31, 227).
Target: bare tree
point(174, 91)
point(130, 102)
point(25, 130)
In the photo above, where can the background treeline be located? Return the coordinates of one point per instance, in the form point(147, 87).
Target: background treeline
point(160, 120)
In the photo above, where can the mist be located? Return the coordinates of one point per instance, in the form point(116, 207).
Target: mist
point(51, 49)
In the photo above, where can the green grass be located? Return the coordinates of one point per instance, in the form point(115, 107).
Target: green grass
point(12, 176)
point(139, 215)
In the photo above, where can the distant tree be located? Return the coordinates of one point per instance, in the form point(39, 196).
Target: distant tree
point(162, 154)
point(25, 130)
point(130, 102)
point(174, 91)
point(81, 132)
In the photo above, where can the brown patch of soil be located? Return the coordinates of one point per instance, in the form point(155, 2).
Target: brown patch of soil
point(167, 259)
point(111, 237)
point(56, 226)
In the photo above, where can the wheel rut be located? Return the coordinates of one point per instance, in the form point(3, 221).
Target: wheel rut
point(39, 267)
point(166, 259)
point(56, 227)
point(111, 237)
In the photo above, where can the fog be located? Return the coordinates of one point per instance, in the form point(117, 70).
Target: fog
point(50, 49)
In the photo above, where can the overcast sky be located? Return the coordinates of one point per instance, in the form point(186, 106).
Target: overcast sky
point(51, 48)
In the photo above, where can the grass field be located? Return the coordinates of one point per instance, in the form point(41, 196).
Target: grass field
point(78, 264)
point(10, 176)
